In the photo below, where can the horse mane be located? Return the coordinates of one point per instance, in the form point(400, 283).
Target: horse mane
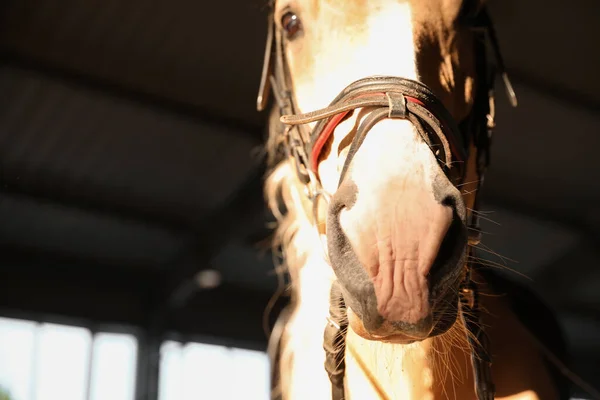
point(283, 194)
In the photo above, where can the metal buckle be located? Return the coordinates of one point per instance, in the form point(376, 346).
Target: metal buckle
point(491, 117)
point(468, 297)
point(474, 235)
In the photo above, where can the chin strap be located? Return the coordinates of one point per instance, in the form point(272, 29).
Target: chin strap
point(481, 360)
point(334, 341)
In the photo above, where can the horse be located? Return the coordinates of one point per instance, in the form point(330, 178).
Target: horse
point(376, 196)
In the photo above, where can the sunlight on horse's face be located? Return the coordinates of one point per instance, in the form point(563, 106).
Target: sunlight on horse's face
point(402, 216)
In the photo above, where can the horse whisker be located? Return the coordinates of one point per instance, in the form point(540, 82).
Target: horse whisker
point(483, 217)
point(485, 248)
point(467, 183)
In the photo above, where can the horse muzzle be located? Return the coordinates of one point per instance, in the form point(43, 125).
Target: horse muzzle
point(397, 241)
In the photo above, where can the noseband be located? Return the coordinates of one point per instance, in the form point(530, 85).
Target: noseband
point(386, 97)
point(394, 98)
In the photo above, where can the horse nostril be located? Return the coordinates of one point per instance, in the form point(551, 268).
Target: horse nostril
point(449, 201)
point(448, 195)
point(451, 250)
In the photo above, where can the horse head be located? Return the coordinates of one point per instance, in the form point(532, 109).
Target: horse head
point(400, 190)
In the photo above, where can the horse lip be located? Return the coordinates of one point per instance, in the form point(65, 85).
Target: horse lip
point(390, 334)
point(398, 339)
point(395, 338)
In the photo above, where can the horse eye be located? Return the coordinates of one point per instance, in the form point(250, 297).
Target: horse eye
point(291, 24)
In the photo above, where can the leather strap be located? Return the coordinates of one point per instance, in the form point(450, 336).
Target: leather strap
point(334, 342)
point(398, 98)
point(481, 360)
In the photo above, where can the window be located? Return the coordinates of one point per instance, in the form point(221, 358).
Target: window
point(113, 367)
point(60, 362)
point(202, 371)
point(42, 361)
point(16, 357)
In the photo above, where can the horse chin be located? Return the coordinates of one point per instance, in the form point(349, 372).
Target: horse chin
point(443, 319)
point(391, 336)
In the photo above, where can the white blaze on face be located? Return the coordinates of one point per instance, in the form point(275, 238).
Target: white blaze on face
point(397, 224)
point(399, 220)
point(332, 53)
point(379, 43)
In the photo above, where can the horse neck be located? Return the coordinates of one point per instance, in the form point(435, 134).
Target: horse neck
point(377, 370)
point(303, 374)
point(433, 368)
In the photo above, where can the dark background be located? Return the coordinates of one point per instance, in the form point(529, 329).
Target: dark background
point(130, 159)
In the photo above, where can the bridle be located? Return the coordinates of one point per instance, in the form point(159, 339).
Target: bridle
point(395, 98)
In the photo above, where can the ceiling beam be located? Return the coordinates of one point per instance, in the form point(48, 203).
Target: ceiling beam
point(12, 58)
point(101, 209)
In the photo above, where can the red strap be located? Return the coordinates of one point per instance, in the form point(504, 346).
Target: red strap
point(335, 121)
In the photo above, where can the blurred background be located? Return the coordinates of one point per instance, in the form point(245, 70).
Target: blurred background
point(134, 258)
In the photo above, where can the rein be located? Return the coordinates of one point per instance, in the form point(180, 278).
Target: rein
point(394, 98)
